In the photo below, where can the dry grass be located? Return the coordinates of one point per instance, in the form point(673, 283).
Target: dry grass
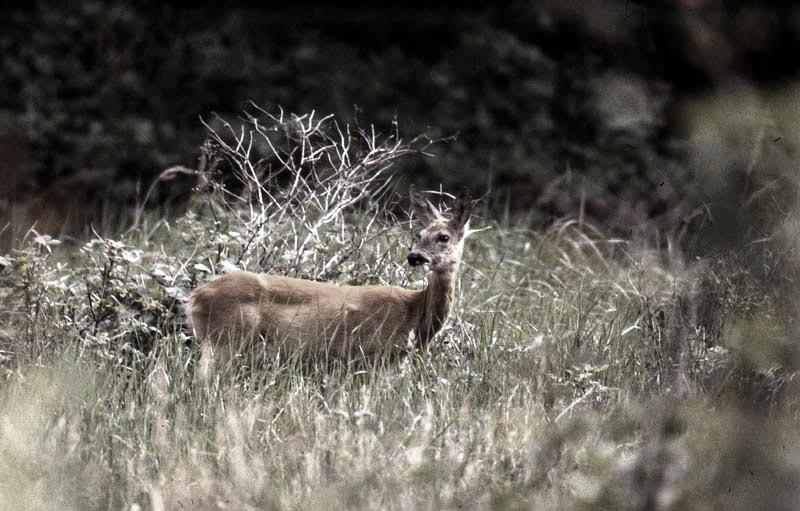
point(576, 372)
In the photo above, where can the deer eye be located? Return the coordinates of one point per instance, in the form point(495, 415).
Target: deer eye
point(444, 238)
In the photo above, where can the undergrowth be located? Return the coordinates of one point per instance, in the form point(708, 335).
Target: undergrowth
point(577, 371)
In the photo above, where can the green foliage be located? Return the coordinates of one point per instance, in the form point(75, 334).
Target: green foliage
point(577, 371)
point(119, 88)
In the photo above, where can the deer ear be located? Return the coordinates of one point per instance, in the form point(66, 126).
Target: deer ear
point(422, 207)
point(462, 209)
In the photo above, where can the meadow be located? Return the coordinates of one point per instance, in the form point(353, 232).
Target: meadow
point(577, 371)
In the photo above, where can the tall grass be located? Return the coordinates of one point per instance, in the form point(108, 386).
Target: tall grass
point(577, 371)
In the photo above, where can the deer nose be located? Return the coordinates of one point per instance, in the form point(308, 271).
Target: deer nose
point(415, 259)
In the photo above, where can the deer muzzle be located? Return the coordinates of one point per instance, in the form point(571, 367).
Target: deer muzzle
point(416, 259)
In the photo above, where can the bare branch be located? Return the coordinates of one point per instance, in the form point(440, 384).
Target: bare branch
point(304, 172)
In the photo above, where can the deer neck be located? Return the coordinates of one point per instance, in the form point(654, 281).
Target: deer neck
point(437, 302)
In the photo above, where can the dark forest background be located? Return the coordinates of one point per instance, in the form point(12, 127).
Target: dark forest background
point(598, 110)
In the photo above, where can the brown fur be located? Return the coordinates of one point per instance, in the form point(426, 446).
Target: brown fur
point(259, 315)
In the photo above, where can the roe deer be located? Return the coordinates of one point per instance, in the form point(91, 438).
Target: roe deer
point(261, 315)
